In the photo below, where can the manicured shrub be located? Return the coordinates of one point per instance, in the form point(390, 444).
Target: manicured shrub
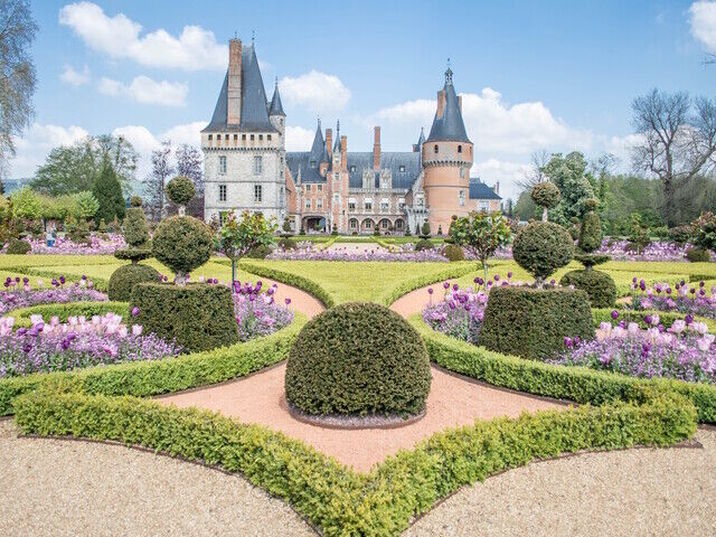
point(287, 244)
point(358, 359)
point(546, 195)
point(182, 243)
point(180, 190)
point(425, 230)
point(541, 248)
point(197, 316)
point(18, 247)
point(135, 201)
point(453, 252)
point(698, 255)
point(590, 236)
point(598, 285)
point(123, 280)
point(533, 323)
point(423, 244)
point(136, 235)
point(260, 251)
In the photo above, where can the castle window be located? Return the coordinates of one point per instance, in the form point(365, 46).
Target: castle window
point(319, 203)
point(399, 224)
point(258, 165)
point(320, 188)
point(401, 203)
point(336, 198)
point(462, 172)
point(351, 204)
point(243, 137)
point(258, 193)
point(211, 137)
point(222, 165)
point(281, 196)
point(308, 204)
point(222, 192)
point(354, 223)
point(223, 215)
point(218, 137)
point(353, 168)
point(436, 149)
point(461, 197)
point(261, 137)
point(484, 206)
point(236, 137)
point(459, 149)
point(312, 164)
point(268, 137)
point(368, 205)
point(384, 205)
point(252, 137)
point(401, 168)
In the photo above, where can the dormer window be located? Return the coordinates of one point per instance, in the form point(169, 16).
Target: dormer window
point(352, 169)
point(268, 137)
point(210, 137)
point(312, 164)
point(459, 149)
point(436, 149)
point(401, 168)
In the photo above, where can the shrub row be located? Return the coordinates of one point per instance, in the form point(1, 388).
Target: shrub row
point(579, 384)
point(143, 379)
point(339, 501)
point(300, 282)
point(63, 311)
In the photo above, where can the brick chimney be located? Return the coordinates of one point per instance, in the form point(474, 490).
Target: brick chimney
point(234, 85)
point(441, 103)
point(376, 148)
point(329, 142)
point(497, 187)
point(344, 151)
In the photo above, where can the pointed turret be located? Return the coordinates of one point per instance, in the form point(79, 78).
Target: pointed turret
point(337, 143)
point(417, 148)
point(448, 125)
point(276, 108)
point(318, 148)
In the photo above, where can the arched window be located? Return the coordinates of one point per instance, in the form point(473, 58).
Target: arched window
point(459, 149)
point(436, 149)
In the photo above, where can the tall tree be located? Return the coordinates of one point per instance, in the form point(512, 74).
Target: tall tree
point(189, 164)
point(17, 73)
point(569, 173)
point(679, 140)
point(108, 193)
point(122, 156)
point(155, 182)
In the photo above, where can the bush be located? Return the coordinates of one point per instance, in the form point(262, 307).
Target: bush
point(18, 247)
point(136, 231)
point(126, 277)
point(423, 244)
point(358, 359)
point(180, 190)
point(287, 244)
point(590, 236)
point(704, 229)
point(545, 195)
point(590, 260)
point(697, 255)
point(425, 230)
point(453, 252)
point(598, 285)
point(681, 234)
point(542, 247)
point(260, 251)
point(198, 317)
point(135, 201)
point(533, 323)
point(182, 243)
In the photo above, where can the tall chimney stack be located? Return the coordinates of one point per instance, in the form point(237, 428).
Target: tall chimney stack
point(376, 148)
point(329, 142)
point(234, 86)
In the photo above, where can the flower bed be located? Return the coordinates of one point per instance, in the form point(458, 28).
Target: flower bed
point(76, 344)
point(309, 252)
point(685, 351)
point(257, 312)
point(18, 293)
point(682, 298)
point(96, 246)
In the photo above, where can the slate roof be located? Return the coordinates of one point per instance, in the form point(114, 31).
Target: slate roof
point(450, 126)
point(276, 108)
point(254, 110)
point(480, 191)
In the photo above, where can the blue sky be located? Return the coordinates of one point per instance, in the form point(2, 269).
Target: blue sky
point(554, 75)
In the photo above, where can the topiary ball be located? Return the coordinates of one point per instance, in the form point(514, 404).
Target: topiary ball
point(182, 243)
point(423, 244)
point(599, 286)
point(358, 359)
point(546, 194)
point(542, 247)
point(180, 190)
point(453, 252)
point(126, 277)
point(18, 247)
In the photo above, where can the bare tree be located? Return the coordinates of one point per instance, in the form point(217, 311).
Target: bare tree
point(535, 174)
point(679, 140)
point(17, 73)
point(189, 164)
point(155, 182)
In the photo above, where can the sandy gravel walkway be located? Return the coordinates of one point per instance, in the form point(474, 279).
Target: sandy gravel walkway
point(453, 401)
point(300, 300)
point(68, 488)
point(644, 492)
point(415, 301)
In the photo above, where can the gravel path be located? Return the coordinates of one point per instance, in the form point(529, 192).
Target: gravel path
point(633, 492)
point(68, 488)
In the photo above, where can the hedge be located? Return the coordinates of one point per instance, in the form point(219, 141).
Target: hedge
point(580, 384)
point(69, 309)
point(148, 378)
point(598, 285)
point(300, 282)
point(666, 318)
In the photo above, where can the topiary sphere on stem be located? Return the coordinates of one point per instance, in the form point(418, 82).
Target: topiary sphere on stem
point(182, 243)
point(541, 248)
point(180, 190)
point(546, 195)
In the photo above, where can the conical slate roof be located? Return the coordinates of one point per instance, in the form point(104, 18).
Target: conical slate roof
point(449, 127)
point(318, 149)
point(276, 108)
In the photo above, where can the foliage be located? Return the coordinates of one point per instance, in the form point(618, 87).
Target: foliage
point(180, 190)
point(197, 316)
point(26, 203)
point(545, 195)
point(590, 236)
point(136, 231)
point(22, 296)
point(482, 232)
point(705, 231)
point(108, 193)
point(189, 164)
point(425, 230)
point(358, 359)
point(541, 248)
point(638, 234)
point(256, 311)
point(423, 244)
point(599, 286)
point(569, 174)
point(85, 205)
point(681, 234)
point(126, 277)
point(182, 243)
point(237, 237)
point(155, 181)
point(697, 255)
point(18, 247)
point(135, 201)
point(533, 323)
point(453, 252)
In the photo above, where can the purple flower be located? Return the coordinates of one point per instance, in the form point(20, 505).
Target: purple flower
point(615, 314)
point(288, 301)
point(135, 311)
point(446, 285)
point(430, 290)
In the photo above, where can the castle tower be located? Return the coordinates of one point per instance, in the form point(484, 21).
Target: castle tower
point(447, 158)
point(276, 114)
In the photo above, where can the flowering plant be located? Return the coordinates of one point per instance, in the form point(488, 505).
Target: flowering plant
point(105, 245)
point(684, 298)
point(76, 344)
point(308, 251)
point(18, 294)
point(257, 313)
point(685, 351)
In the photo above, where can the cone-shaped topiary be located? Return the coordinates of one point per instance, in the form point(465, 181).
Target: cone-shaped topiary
point(590, 236)
point(182, 243)
point(545, 195)
point(358, 359)
point(136, 235)
point(180, 190)
point(541, 248)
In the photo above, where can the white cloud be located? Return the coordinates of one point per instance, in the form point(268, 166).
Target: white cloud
point(75, 78)
point(316, 91)
point(703, 24)
point(37, 141)
point(145, 90)
point(120, 37)
point(298, 139)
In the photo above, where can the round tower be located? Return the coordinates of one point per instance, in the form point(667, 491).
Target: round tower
point(447, 158)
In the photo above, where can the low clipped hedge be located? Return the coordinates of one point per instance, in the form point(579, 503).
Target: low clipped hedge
point(300, 282)
point(126, 277)
point(533, 323)
point(358, 359)
point(70, 309)
point(599, 286)
point(666, 318)
point(197, 316)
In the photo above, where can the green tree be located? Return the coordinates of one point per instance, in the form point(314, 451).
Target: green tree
point(84, 205)
point(27, 204)
point(236, 237)
point(576, 185)
point(108, 193)
point(483, 232)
